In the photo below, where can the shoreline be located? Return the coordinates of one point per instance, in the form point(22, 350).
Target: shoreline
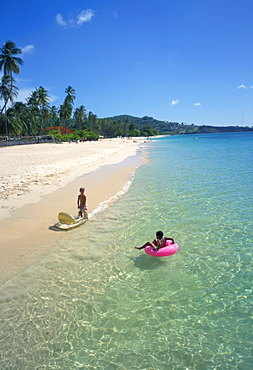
point(30, 172)
point(26, 219)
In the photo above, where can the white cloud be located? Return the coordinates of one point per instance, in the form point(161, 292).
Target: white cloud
point(115, 14)
point(23, 94)
point(83, 17)
point(26, 92)
point(27, 49)
point(53, 98)
point(197, 104)
point(21, 80)
point(59, 20)
point(174, 102)
point(241, 87)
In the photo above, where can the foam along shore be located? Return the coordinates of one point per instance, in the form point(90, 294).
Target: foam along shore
point(38, 181)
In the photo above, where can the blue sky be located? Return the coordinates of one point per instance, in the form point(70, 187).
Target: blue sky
point(187, 61)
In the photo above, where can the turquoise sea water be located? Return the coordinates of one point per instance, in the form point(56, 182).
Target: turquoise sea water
point(96, 302)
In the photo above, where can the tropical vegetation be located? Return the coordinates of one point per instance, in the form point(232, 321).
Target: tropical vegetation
point(37, 117)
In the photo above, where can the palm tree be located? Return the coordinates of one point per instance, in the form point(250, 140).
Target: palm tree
point(53, 115)
point(32, 100)
point(65, 113)
point(43, 100)
point(43, 97)
point(32, 103)
point(71, 95)
point(10, 64)
point(54, 111)
point(14, 120)
point(67, 106)
point(24, 120)
point(80, 115)
point(7, 91)
point(106, 128)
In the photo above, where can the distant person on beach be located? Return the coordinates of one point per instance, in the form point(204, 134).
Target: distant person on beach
point(157, 243)
point(81, 203)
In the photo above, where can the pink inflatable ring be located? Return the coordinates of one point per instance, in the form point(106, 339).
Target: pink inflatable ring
point(162, 252)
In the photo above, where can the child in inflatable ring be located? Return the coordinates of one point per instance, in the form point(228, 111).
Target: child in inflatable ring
point(157, 243)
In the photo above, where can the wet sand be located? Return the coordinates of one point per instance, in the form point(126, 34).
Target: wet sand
point(40, 180)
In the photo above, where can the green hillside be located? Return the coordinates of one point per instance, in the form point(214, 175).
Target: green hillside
point(172, 128)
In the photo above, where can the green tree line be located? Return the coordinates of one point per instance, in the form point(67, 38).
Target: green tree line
point(37, 117)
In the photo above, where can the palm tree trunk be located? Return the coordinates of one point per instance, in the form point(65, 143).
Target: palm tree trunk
point(5, 104)
point(8, 97)
point(6, 122)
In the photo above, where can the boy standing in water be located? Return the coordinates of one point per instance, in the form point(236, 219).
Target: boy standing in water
point(157, 243)
point(81, 203)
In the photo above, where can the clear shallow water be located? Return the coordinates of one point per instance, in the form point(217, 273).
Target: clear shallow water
point(97, 303)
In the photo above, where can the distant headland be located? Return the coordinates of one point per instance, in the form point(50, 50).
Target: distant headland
point(150, 124)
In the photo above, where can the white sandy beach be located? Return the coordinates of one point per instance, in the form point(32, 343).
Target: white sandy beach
point(38, 181)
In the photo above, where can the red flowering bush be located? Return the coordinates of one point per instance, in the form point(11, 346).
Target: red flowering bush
point(62, 130)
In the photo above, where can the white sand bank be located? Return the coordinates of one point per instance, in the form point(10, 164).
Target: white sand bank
point(28, 172)
point(37, 181)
